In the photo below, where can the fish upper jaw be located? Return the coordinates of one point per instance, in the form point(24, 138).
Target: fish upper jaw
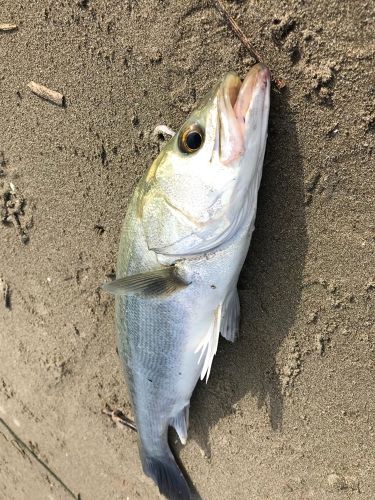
point(242, 109)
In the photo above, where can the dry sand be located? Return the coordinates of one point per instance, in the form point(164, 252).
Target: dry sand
point(289, 410)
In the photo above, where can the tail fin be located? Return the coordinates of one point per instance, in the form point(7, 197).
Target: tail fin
point(167, 475)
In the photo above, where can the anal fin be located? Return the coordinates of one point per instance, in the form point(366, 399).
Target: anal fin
point(208, 344)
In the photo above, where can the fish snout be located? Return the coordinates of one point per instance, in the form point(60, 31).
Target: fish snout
point(236, 102)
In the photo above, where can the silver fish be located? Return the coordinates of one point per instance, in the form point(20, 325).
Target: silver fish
point(183, 244)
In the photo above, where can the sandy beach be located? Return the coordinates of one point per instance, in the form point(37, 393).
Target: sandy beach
point(289, 410)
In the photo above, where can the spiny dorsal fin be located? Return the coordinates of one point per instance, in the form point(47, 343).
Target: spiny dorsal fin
point(163, 281)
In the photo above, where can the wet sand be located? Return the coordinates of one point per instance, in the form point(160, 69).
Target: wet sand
point(288, 412)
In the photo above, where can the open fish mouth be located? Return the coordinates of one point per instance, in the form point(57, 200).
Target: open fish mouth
point(236, 102)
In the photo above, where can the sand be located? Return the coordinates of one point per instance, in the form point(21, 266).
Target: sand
point(288, 412)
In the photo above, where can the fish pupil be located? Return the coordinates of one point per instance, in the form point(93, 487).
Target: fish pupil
point(191, 139)
point(194, 140)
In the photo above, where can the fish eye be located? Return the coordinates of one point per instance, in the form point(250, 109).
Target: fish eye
point(191, 139)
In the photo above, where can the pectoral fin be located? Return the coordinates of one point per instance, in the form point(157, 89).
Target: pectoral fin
point(163, 281)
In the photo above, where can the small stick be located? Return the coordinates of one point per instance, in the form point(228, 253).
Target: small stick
point(164, 130)
point(237, 30)
point(47, 94)
point(120, 419)
point(4, 289)
point(8, 27)
point(26, 448)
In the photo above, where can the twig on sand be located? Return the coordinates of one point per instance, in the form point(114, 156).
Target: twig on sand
point(280, 83)
point(8, 27)
point(120, 419)
point(4, 291)
point(163, 130)
point(47, 94)
point(25, 448)
point(237, 30)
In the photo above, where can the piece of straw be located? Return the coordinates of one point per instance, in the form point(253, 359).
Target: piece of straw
point(47, 94)
point(8, 27)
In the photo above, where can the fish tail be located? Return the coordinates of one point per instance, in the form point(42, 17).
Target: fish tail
point(167, 475)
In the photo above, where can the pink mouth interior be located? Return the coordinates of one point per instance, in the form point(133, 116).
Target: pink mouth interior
point(234, 103)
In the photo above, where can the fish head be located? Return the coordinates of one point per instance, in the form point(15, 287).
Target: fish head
point(202, 188)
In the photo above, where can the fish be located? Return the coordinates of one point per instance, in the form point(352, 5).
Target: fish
point(183, 243)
